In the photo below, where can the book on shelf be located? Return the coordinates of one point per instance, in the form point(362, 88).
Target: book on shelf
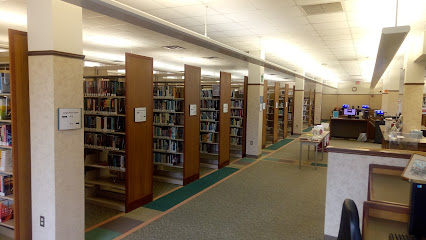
point(236, 122)
point(208, 138)
point(6, 210)
point(170, 132)
point(236, 131)
point(4, 83)
point(169, 91)
point(168, 145)
point(117, 161)
point(214, 116)
point(6, 135)
point(168, 118)
point(169, 105)
point(6, 184)
point(104, 141)
point(105, 106)
point(6, 162)
point(209, 126)
point(237, 103)
point(209, 104)
point(5, 113)
point(237, 93)
point(111, 86)
point(172, 159)
point(236, 141)
point(209, 148)
point(105, 124)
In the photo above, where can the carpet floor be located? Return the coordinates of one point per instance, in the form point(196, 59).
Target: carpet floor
point(268, 200)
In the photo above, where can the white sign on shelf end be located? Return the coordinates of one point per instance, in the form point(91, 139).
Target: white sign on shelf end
point(140, 114)
point(69, 118)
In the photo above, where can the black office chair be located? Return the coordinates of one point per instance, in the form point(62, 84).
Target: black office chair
point(349, 222)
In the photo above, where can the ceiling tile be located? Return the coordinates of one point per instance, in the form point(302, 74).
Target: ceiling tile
point(143, 5)
point(175, 3)
point(278, 12)
point(165, 13)
point(195, 10)
point(226, 6)
point(214, 19)
point(331, 32)
point(326, 18)
point(269, 4)
point(337, 37)
point(185, 22)
point(226, 26)
point(330, 26)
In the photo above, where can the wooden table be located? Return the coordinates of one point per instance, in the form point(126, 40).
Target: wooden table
point(320, 139)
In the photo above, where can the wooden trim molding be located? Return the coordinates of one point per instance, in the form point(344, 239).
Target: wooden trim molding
point(372, 152)
point(299, 90)
point(414, 83)
point(55, 53)
point(393, 90)
point(255, 84)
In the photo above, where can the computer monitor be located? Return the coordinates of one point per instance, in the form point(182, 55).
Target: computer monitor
point(378, 112)
point(349, 112)
point(345, 106)
point(365, 106)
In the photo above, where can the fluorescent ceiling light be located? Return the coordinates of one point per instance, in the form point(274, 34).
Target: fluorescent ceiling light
point(390, 41)
point(14, 18)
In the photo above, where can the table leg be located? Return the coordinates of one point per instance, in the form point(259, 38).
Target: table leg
point(300, 155)
point(323, 146)
point(309, 149)
point(316, 153)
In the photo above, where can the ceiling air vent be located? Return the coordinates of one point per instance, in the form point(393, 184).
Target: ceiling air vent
point(323, 8)
point(174, 47)
point(210, 58)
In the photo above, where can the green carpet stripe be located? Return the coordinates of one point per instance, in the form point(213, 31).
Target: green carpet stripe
point(247, 160)
point(101, 234)
point(180, 195)
point(319, 164)
point(307, 129)
point(279, 144)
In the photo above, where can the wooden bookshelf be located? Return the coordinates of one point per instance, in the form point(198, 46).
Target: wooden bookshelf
point(291, 109)
point(276, 97)
point(271, 114)
point(238, 118)
point(265, 110)
point(215, 136)
point(310, 111)
point(306, 107)
point(119, 176)
point(179, 164)
point(20, 227)
point(283, 111)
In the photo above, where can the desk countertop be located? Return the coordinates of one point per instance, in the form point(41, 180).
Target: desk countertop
point(386, 135)
point(349, 119)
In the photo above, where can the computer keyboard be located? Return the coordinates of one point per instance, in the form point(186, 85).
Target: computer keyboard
point(396, 236)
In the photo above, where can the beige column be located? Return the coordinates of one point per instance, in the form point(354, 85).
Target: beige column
point(55, 75)
point(385, 93)
point(318, 103)
point(393, 91)
point(298, 104)
point(254, 108)
point(413, 82)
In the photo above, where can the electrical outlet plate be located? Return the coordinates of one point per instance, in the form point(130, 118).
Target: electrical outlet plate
point(41, 221)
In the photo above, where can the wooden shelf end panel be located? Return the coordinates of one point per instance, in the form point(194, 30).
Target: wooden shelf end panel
point(21, 151)
point(139, 142)
point(224, 118)
point(276, 109)
point(265, 100)
point(244, 140)
point(192, 123)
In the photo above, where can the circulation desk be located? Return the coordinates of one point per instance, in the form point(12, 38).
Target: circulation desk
point(344, 127)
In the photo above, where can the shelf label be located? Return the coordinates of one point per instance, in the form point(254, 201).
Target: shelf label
point(263, 106)
point(225, 108)
point(69, 118)
point(276, 105)
point(140, 114)
point(192, 109)
point(286, 104)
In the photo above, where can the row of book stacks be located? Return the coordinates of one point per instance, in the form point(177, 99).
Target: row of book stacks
point(290, 115)
point(104, 139)
point(281, 109)
point(238, 112)
point(184, 115)
point(6, 164)
point(270, 114)
point(209, 124)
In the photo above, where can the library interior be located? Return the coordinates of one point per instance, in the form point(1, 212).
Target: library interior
point(212, 119)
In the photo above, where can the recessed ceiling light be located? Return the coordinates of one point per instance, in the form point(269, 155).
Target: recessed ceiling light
point(272, 74)
point(173, 47)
